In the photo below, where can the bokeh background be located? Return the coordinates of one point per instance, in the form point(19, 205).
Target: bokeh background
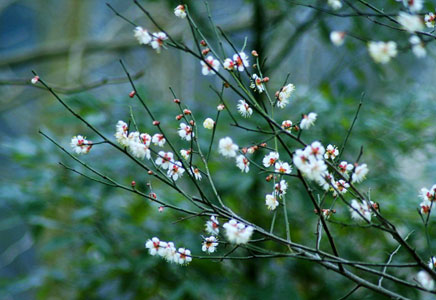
point(65, 237)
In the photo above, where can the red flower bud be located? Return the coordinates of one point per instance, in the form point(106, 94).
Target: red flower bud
point(254, 53)
point(203, 43)
point(177, 101)
point(156, 123)
point(178, 117)
point(132, 94)
point(133, 183)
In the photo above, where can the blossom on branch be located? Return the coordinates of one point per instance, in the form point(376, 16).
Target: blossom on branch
point(227, 148)
point(237, 232)
point(80, 144)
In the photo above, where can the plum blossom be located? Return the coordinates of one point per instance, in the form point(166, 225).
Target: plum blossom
point(287, 125)
point(331, 152)
point(280, 188)
point(165, 160)
point(413, 5)
point(170, 252)
point(237, 232)
point(271, 201)
point(142, 35)
point(185, 132)
point(212, 226)
point(175, 171)
point(430, 20)
point(180, 11)
point(308, 120)
point(121, 133)
point(284, 95)
point(425, 207)
point(137, 146)
point(382, 52)
point(359, 173)
point(229, 64)
point(335, 4)
point(209, 244)
point(183, 256)
point(337, 38)
point(34, 79)
point(425, 280)
point(158, 140)
point(341, 186)
point(244, 109)
point(155, 246)
point(241, 61)
point(196, 172)
point(360, 211)
point(80, 144)
point(209, 123)
point(214, 63)
point(282, 167)
point(409, 22)
point(227, 148)
point(345, 167)
point(257, 83)
point(158, 40)
point(242, 163)
point(418, 46)
point(270, 159)
point(185, 154)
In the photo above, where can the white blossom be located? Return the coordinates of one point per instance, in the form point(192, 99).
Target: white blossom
point(185, 154)
point(175, 171)
point(142, 35)
point(335, 4)
point(165, 160)
point(359, 173)
point(158, 140)
point(229, 64)
point(287, 125)
point(270, 159)
point(214, 63)
point(170, 252)
point(158, 40)
point(185, 132)
point(337, 38)
point(196, 172)
point(282, 167)
point(183, 256)
point(280, 188)
point(382, 52)
point(257, 83)
point(284, 95)
point(209, 123)
point(410, 22)
point(308, 120)
point(425, 280)
point(271, 201)
point(209, 244)
point(418, 47)
point(155, 246)
point(212, 226)
point(413, 5)
point(180, 11)
point(241, 61)
point(244, 109)
point(360, 211)
point(237, 232)
point(80, 144)
point(121, 133)
point(227, 148)
point(430, 20)
point(331, 152)
point(243, 163)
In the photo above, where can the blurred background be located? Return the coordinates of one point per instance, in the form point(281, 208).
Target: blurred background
point(65, 237)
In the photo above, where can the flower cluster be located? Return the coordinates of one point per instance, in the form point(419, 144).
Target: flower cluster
point(237, 232)
point(361, 210)
point(137, 143)
point(382, 52)
point(155, 40)
point(210, 66)
point(310, 161)
point(80, 144)
point(168, 251)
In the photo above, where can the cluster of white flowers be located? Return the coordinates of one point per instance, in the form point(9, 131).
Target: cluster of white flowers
point(337, 38)
point(209, 244)
point(155, 40)
point(310, 161)
point(137, 143)
point(237, 232)
point(284, 95)
point(80, 144)
point(428, 196)
point(168, 251)
point(308, 120)
point(335, 4)
point(244, 109)
point(257, 83)
point(180, 11)
point(165, 160)
point(239, 62)
point(382, 52)
point(360, 210)
point(210, 67)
